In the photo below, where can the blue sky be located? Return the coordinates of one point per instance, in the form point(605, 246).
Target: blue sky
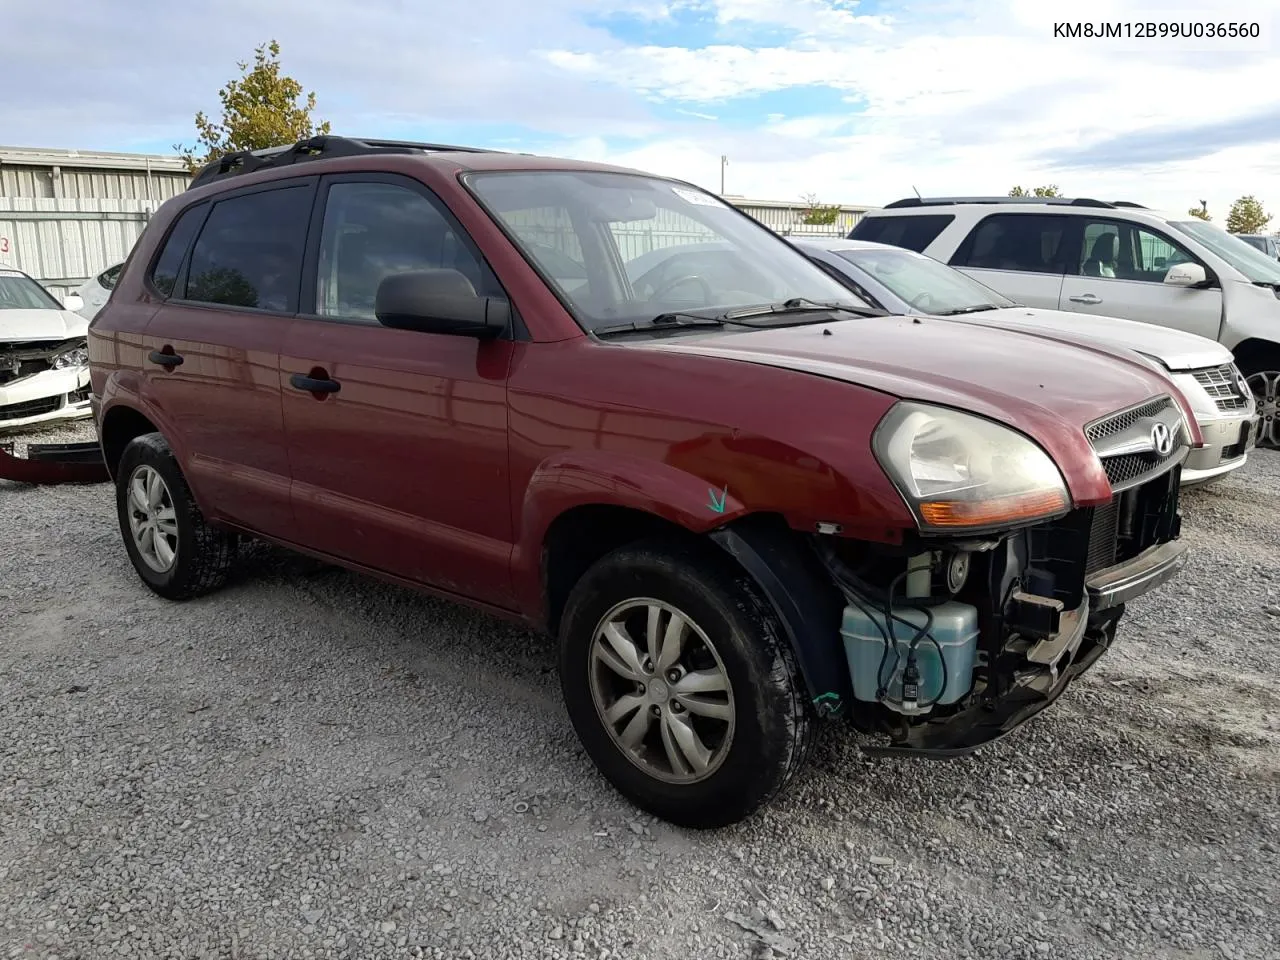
point(856, 102)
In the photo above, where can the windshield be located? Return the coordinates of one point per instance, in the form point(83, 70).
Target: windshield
point(20, 292)
point(1258, 267)
point(924, 283)
point(623, 248)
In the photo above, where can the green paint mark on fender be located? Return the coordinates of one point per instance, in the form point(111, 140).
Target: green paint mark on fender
point(718, 498)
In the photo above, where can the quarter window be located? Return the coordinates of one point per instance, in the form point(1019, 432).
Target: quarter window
point(249, 253)
point(165, 272)
point(912, 233)
point(375, 230)
point(1030, 243)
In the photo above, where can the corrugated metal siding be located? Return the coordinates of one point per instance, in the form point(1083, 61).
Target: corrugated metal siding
point(88, 184)
point(62, 243)
point(785, 219)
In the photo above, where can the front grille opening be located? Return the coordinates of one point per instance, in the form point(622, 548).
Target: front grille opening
point(1220, 384)
point(30, 408)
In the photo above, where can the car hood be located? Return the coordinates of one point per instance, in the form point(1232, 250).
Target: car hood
point(1176, 349)
point(21, 326)
point(1043, 387)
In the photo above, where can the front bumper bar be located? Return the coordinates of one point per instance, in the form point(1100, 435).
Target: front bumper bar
point(1127, 581)
point(48, 463)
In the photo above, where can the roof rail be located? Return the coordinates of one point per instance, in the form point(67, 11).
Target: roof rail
point(313, 148)
point(953, 201)
point(1127, 203)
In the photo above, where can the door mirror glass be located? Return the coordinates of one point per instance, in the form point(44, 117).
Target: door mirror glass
point(1185, 275)
point(439, 301)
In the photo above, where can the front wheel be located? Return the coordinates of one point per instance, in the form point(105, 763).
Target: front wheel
point(1263, 378)
point(680, 685)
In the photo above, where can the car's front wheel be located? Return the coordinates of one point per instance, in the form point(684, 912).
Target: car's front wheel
point(680, 685)
point(1262, 374)
point(176, 553)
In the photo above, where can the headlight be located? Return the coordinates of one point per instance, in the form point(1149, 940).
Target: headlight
point(76, 356)
point(958, 471)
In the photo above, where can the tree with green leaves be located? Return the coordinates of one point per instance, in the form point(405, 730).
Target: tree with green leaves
point(1247, 216)
point(817, 214)
point(1201, 212)
point(260, 109)
point(1050, 190)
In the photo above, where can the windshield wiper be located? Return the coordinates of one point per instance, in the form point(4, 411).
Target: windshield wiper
point(976, 308)
point(798, 305)
point(662, 321)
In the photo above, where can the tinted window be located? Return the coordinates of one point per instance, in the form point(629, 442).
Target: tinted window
point(1124, 251)
point(1015, 241)
point(165, 272)
point(913, 233)
point(374, 230)
point(107, 279)
point(250, 251)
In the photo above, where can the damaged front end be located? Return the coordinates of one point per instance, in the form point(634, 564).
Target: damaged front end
point(952, 643)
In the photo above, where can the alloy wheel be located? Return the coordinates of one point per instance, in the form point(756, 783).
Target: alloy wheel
point(1265, 385)
point(152, 519)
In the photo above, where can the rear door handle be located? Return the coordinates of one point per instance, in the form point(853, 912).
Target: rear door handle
point(166, 357)
point(1087, 298)
point(314, 384)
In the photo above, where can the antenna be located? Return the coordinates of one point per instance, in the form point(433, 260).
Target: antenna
point(917, 192)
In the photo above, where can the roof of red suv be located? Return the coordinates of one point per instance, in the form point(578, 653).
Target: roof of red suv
point(235, 165)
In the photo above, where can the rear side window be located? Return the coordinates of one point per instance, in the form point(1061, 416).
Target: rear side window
point(107, 279)
point(1028, 242)
point(249, 253)
point(164, 274)
point(913, 233)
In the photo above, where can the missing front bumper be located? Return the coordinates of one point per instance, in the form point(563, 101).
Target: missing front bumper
point(52, 463)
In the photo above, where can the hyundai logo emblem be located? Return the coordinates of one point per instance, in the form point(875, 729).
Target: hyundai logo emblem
point(1162, 439)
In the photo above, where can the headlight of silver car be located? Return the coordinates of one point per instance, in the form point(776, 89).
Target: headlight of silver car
point(958, 471)
point(76, 355)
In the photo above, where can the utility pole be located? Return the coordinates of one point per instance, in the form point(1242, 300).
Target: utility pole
point(724, 162)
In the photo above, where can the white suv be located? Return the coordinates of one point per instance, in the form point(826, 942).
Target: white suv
point(1112, 259)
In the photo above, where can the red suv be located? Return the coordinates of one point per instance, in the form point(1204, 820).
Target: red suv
point(614, 408)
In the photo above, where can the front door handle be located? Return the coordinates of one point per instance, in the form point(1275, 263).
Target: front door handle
point(1087, 298)
point(165, 357)
point(314, 384)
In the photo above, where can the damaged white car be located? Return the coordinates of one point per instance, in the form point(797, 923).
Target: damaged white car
point(44, 360)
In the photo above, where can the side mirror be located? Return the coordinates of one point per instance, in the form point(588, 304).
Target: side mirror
point(1185, 275)
point(73, 302)
point(439, 301)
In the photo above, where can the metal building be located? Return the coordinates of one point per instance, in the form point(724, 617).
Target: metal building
point(787, 218)
point(67, 215)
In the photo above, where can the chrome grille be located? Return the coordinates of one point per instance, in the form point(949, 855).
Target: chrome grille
point(1122, 443)
point(1221, 384)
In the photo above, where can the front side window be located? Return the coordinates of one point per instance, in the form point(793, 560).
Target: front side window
point(249, 253)
point(1026, 242)
point(1256, 266)
point(1124, 251)
point(109, 277)
point(621, 248)
point(20, 292)
point(924, 283)
point(910, 233)
point(373, 230)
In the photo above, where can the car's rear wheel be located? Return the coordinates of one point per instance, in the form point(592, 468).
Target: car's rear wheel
point(680, 684)
point(176, 553)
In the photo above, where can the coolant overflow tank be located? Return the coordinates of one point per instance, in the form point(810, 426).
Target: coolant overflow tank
point(945, 662)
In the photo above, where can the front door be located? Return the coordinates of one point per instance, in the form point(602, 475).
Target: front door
point(397, 439)
point(1120, 273)
point(212, 350)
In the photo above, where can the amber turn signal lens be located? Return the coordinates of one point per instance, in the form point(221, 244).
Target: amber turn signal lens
point(984, 513)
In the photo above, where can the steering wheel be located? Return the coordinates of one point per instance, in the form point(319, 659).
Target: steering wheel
point(919, 300)
point(707, 295)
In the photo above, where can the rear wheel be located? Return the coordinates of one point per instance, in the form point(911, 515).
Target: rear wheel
point(680, 685)
point(176, 553)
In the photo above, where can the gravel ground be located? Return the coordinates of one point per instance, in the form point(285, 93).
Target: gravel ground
point(313, 764)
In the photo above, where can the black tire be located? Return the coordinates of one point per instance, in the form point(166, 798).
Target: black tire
point(204, 554)
point(773, 727)
point(1264, 362)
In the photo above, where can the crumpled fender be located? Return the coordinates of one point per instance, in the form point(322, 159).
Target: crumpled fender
point(52, 463)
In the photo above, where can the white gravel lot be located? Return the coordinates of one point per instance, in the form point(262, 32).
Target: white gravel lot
point(314, 764)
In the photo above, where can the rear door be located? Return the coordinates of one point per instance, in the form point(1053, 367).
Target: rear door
point(212, 350)
point(1022, 255)
point(402, 466)
point(1119, 271)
